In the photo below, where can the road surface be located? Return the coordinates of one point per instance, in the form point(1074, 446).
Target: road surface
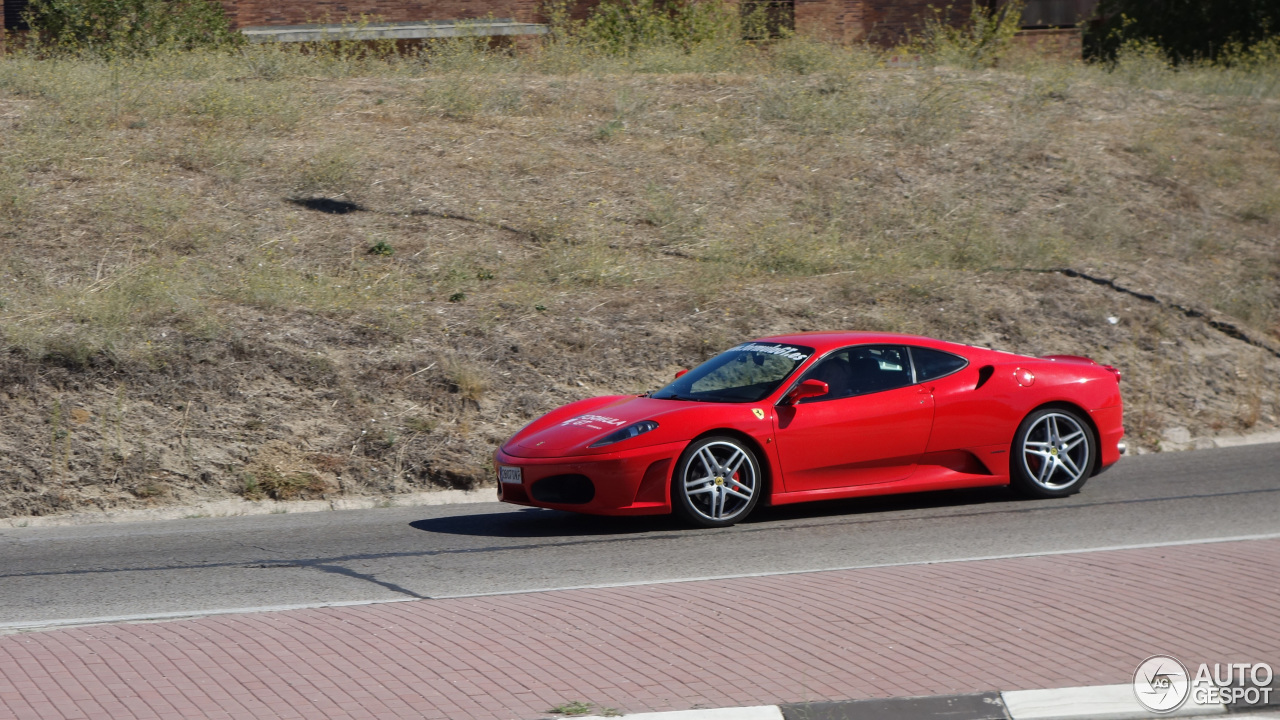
point(51, 576)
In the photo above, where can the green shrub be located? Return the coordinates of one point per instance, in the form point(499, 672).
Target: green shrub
point(623, 26)
point(978, 42)
point(1211, 30)
point(130, 27)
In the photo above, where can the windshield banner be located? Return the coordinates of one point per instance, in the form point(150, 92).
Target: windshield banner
point(785, 351)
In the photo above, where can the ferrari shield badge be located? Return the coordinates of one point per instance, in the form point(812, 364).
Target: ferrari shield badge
point(758, 413)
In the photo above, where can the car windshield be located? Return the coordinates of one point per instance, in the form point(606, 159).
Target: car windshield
point(746, 373)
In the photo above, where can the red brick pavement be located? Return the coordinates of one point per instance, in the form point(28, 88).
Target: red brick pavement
point(1049, 621)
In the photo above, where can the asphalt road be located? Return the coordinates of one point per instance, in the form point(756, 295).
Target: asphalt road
point(52, 575)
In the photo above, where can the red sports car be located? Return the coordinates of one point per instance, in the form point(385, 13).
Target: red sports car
point(816, 416)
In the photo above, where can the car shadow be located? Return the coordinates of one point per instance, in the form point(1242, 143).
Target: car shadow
point(541, 523)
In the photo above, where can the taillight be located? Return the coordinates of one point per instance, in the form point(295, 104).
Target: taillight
point(1114, 371)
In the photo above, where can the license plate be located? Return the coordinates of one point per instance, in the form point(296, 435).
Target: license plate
point(510, 475)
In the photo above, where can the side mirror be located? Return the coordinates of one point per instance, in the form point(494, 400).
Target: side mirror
point(806, 389)
point(680, 373)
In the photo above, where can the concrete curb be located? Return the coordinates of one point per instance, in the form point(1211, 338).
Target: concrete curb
point(240, 508)
point(1098, 702)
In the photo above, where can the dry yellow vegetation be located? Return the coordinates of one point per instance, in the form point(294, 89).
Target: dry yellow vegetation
point(364, 272)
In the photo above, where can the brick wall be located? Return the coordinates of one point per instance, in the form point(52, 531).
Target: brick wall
point(838, 20)
point(888, 22)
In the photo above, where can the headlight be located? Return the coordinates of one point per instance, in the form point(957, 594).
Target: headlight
point(626, 433)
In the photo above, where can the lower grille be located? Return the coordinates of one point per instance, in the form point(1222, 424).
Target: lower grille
point(564, 490)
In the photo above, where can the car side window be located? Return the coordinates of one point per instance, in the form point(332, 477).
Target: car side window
point(933, 364)
point(861, 370)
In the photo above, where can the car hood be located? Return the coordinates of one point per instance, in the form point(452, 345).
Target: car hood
point(580, 430)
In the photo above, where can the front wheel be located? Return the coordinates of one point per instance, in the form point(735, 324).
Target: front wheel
point(1052, 453)
point(717, 482)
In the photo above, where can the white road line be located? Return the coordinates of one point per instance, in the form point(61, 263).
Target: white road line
point(182, 614)
point(758, 712)
point(38, 624)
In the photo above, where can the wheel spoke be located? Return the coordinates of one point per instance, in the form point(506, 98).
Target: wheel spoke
point(1041, 454)
point(1037, 444)
point(1070, 466)
point(1053, 428)
point(734, 462)
point(1046, 470)
point(736, 493)
point(708, 460)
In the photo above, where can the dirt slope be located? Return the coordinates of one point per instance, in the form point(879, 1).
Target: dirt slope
point(217, 280)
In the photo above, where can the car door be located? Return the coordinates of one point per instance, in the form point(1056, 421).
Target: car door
point(871, 427)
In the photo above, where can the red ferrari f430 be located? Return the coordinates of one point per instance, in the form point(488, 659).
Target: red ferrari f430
point(817, 416)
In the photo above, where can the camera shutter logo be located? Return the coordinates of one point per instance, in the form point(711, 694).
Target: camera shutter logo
point(1161, 684)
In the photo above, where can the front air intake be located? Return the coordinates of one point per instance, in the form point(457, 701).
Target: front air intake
point(564, 490)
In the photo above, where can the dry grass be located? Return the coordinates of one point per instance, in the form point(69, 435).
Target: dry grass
point(563, 222)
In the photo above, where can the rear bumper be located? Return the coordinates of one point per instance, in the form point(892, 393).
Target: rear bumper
point(630, 482)
point(1109, 422)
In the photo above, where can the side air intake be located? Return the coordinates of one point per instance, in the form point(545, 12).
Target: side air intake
point(984, 374)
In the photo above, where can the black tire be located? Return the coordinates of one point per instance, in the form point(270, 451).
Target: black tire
point(1053, 453)
point(717, 482)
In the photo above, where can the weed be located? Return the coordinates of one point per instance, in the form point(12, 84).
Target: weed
point(249, 488)
point(331, 170)
point(610, 130)
point(421, 425)
point(382, 248)
point(269, 483)
point(575, 707)
point(150, 490)
point(466, 379)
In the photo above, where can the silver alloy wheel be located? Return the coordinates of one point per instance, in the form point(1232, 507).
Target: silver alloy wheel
point(1055, 451)
point(720, 481)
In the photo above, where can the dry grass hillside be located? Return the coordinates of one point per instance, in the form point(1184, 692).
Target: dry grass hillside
point(282, 275)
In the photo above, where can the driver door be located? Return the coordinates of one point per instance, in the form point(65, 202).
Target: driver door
point(871, 427)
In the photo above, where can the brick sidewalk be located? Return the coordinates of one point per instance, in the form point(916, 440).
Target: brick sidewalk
point(1052, 621)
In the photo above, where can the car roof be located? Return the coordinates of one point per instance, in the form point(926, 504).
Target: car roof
point(826, 340)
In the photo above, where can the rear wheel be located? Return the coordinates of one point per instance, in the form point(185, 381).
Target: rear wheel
point(717, 482)
point(1052, 454)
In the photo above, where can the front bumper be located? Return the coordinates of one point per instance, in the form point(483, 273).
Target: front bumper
point(628, 482)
